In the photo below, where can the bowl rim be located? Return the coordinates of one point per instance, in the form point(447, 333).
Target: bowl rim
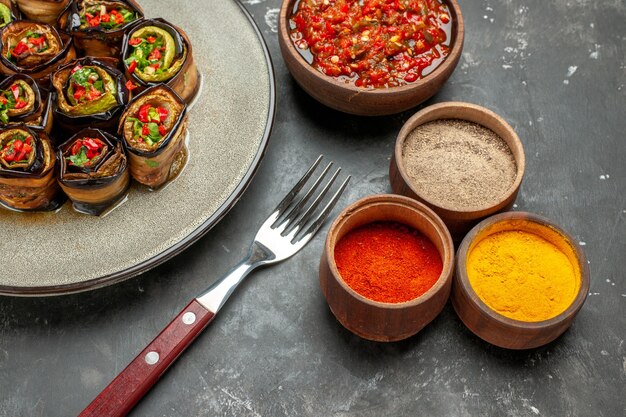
point(462, 280)
point(419, 209)
point(452, 108)
point(458, 31)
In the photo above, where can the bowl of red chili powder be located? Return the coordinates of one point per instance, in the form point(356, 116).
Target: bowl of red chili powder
point(371, 57)
point(386, 269)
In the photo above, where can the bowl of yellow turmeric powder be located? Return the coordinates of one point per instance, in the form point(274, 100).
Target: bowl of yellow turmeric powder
point(520, 280)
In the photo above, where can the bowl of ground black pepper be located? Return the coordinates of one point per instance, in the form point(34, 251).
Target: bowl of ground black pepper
point(462, 160)
point(520, 280)
point(387, 266)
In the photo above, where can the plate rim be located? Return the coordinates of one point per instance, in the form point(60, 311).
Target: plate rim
point(198, 232)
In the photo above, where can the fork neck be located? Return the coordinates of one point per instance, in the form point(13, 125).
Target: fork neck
point(214, 297)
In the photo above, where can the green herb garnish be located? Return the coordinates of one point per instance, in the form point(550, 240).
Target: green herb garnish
point(80, 158)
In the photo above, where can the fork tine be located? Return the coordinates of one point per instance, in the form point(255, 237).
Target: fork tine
point(317, 223)
point(296, 209)
point(294, 191)
point(304, 217)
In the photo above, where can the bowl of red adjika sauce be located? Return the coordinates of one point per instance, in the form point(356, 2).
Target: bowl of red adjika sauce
point(371, 57)
point(462, 160)
point(520, 280)
point(387, 267)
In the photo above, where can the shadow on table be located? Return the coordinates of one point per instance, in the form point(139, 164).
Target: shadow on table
point(445, 333)
point(94, 308)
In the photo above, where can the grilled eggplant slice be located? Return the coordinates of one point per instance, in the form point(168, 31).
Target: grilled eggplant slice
point(34, 49)
point(93, 171)
point(45, 11)
point(88, 93)
point(8, 12)
point(22, 101)
point(156, 51)
point(27, 170)
point(154, 128)
point(98, 26)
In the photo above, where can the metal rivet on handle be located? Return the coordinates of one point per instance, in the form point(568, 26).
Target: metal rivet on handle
point(152, 358)
point(189, 317)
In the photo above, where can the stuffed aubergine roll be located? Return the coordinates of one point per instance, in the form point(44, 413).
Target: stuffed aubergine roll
point(27, 170)
point(22, 101)
point(93, 171)
point(156, 51)
point(88, 93)
point(154, 128)
point(98, 26)
point(34, 49)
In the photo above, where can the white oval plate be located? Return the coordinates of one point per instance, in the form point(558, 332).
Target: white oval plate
point(229, 126)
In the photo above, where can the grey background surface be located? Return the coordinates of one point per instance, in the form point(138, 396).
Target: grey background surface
point(557, 72)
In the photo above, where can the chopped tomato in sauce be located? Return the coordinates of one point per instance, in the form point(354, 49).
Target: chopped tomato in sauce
point(373, 43)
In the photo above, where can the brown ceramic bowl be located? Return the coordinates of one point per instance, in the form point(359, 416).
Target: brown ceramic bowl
point(495, 328)
point(361, 101)
point(459, 221)
point(373, 320)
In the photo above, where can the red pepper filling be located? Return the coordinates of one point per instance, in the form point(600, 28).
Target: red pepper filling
point(130, 86)
point(85, 152)
point(373, 43)
point(12, 98)
point(30, 44)
point(18, 148)
point(148, 126)
point(106, 18)
point(85, 84)
point(147, 55)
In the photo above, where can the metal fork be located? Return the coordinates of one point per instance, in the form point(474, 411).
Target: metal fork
point(290, 226)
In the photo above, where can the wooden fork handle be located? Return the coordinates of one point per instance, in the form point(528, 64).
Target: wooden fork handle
point(121, 395)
